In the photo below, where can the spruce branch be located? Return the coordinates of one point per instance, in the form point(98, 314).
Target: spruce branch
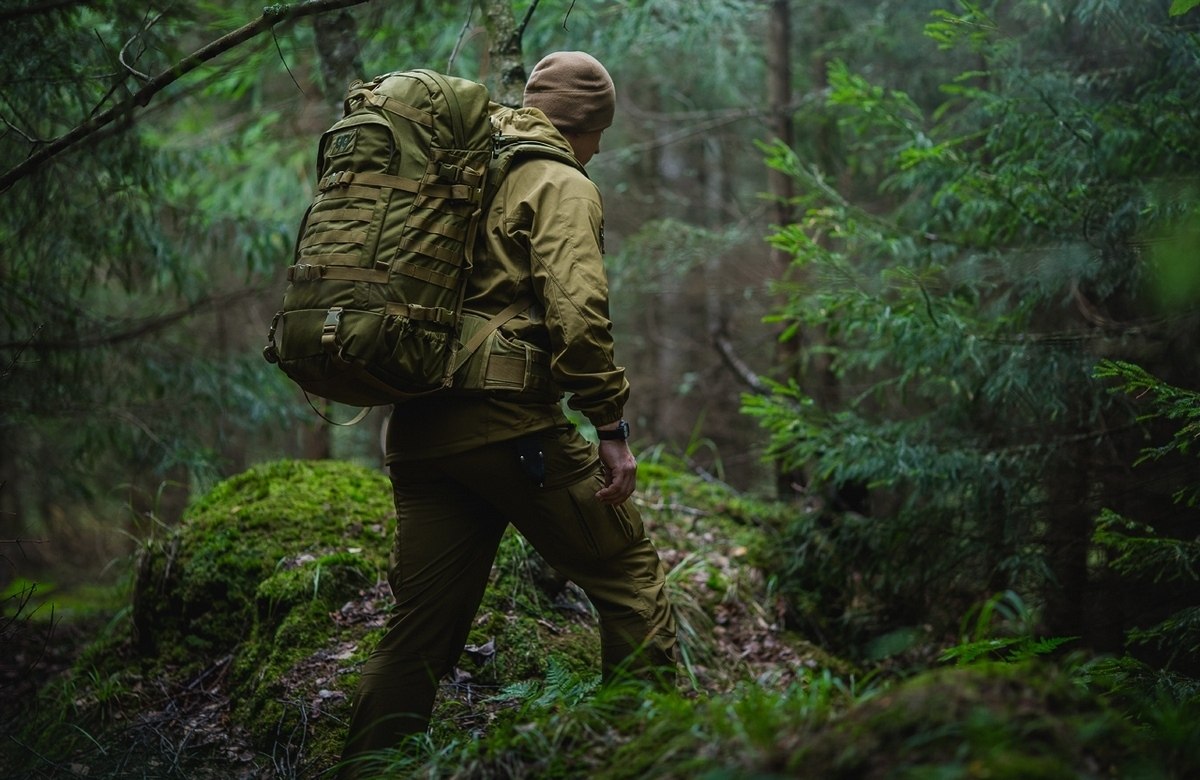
point(272, 15)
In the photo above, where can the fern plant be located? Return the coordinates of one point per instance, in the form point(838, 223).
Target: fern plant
point(1001, 628)
point(561, 688)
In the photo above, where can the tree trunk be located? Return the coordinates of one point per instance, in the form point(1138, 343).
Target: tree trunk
point(780, 185)
point(339, 51)
point(1067, 537)
point(504, 52)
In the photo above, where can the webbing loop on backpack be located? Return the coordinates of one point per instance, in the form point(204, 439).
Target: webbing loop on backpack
point(413, 311)
point(310, 272)
point(433, 224)
point(318, 237)
point(427, 275)
point(346, 178)
point(522, 372)
point(429, 249)
point(461, 173)
point(401, 109)
point(354, 191)
point(425, 189)
point(340, 215)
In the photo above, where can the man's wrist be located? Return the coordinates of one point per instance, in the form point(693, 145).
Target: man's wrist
point(618, 431)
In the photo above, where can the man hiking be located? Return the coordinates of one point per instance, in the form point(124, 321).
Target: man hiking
point(465, 466)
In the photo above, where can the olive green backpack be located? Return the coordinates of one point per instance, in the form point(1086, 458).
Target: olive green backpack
point(372, 313)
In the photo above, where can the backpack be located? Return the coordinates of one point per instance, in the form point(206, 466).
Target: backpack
point(372, 313)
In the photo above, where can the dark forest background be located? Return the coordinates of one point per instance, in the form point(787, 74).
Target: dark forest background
point(928, 272)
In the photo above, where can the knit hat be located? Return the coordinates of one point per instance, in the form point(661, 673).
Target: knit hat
point(573, 90)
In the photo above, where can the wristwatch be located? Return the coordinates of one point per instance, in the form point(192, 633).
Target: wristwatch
point(620, 433)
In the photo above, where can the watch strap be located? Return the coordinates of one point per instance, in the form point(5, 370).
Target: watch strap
point(620, 433)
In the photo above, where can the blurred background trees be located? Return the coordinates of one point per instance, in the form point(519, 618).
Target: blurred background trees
point(971, 243)
point(884, 243)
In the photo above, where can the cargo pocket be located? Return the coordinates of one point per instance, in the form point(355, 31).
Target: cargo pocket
point(607, 530)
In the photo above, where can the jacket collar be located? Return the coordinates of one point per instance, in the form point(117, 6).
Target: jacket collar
point(527, 124)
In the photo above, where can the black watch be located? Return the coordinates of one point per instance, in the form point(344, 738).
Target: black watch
point(620, 433)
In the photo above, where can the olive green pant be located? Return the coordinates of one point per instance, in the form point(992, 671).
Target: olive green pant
point(451, 513)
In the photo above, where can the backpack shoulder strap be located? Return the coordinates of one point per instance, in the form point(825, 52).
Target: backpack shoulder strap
point(508, 150)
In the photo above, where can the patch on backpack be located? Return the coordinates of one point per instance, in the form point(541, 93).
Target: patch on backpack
point(342, 143)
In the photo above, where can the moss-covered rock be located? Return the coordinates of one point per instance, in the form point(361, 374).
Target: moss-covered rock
point(252, 547)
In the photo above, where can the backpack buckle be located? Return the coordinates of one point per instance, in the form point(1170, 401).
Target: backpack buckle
point(329, 331)
point(336, 179)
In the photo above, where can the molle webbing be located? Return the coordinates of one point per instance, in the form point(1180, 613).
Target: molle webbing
point(372, 313)
point(306, 272)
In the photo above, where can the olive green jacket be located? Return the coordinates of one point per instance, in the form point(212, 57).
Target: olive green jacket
point(541, 240)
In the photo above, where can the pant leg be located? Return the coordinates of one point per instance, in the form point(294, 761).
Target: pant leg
point(446, 540)
point(602, 549)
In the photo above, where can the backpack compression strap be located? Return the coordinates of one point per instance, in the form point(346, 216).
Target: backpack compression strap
point(494, 324)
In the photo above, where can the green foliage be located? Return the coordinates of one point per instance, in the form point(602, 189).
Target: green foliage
point(627, 730)
point(981, 636)
point(1010, 720)
point(1136, 550)
point(1139, 552)
point(284, 683)
point(956, 275)
point(1179, 406)
point(560, 688)
point(131, 259)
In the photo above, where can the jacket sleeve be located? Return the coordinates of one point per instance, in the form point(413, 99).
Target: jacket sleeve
point(568, 278)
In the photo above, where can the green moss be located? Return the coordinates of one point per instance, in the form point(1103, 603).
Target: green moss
point(1004, 721)
point(329, 580)
point(198, 588)
point(670, 495)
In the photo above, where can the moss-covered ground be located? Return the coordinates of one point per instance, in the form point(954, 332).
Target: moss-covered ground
point(237, 647)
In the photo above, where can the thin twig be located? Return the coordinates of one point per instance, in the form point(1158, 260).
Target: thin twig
point(462, 34)
point(139, 328)
point(520, 34)
point(724, 347)
point(279, 51)
point(137, 74)
point(21, 347)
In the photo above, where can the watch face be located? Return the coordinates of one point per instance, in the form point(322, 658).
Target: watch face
point(620, 433)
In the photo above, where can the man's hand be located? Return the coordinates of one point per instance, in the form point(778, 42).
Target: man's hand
point(620, 472)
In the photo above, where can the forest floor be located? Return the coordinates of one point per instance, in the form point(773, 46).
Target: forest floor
point(186, 723)
point(82, 697)
point(187, 728)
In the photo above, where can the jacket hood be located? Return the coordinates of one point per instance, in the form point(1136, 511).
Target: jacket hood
point(527, 124)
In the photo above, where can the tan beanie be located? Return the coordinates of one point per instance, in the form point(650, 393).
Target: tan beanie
point(574, 90)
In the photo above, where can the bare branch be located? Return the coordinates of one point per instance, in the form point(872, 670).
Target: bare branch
point(528, 18)
point(724, 347)
point(138, 329)
point(271, 16)
point(7, 371)
point(137, 74)
point(462, 34)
